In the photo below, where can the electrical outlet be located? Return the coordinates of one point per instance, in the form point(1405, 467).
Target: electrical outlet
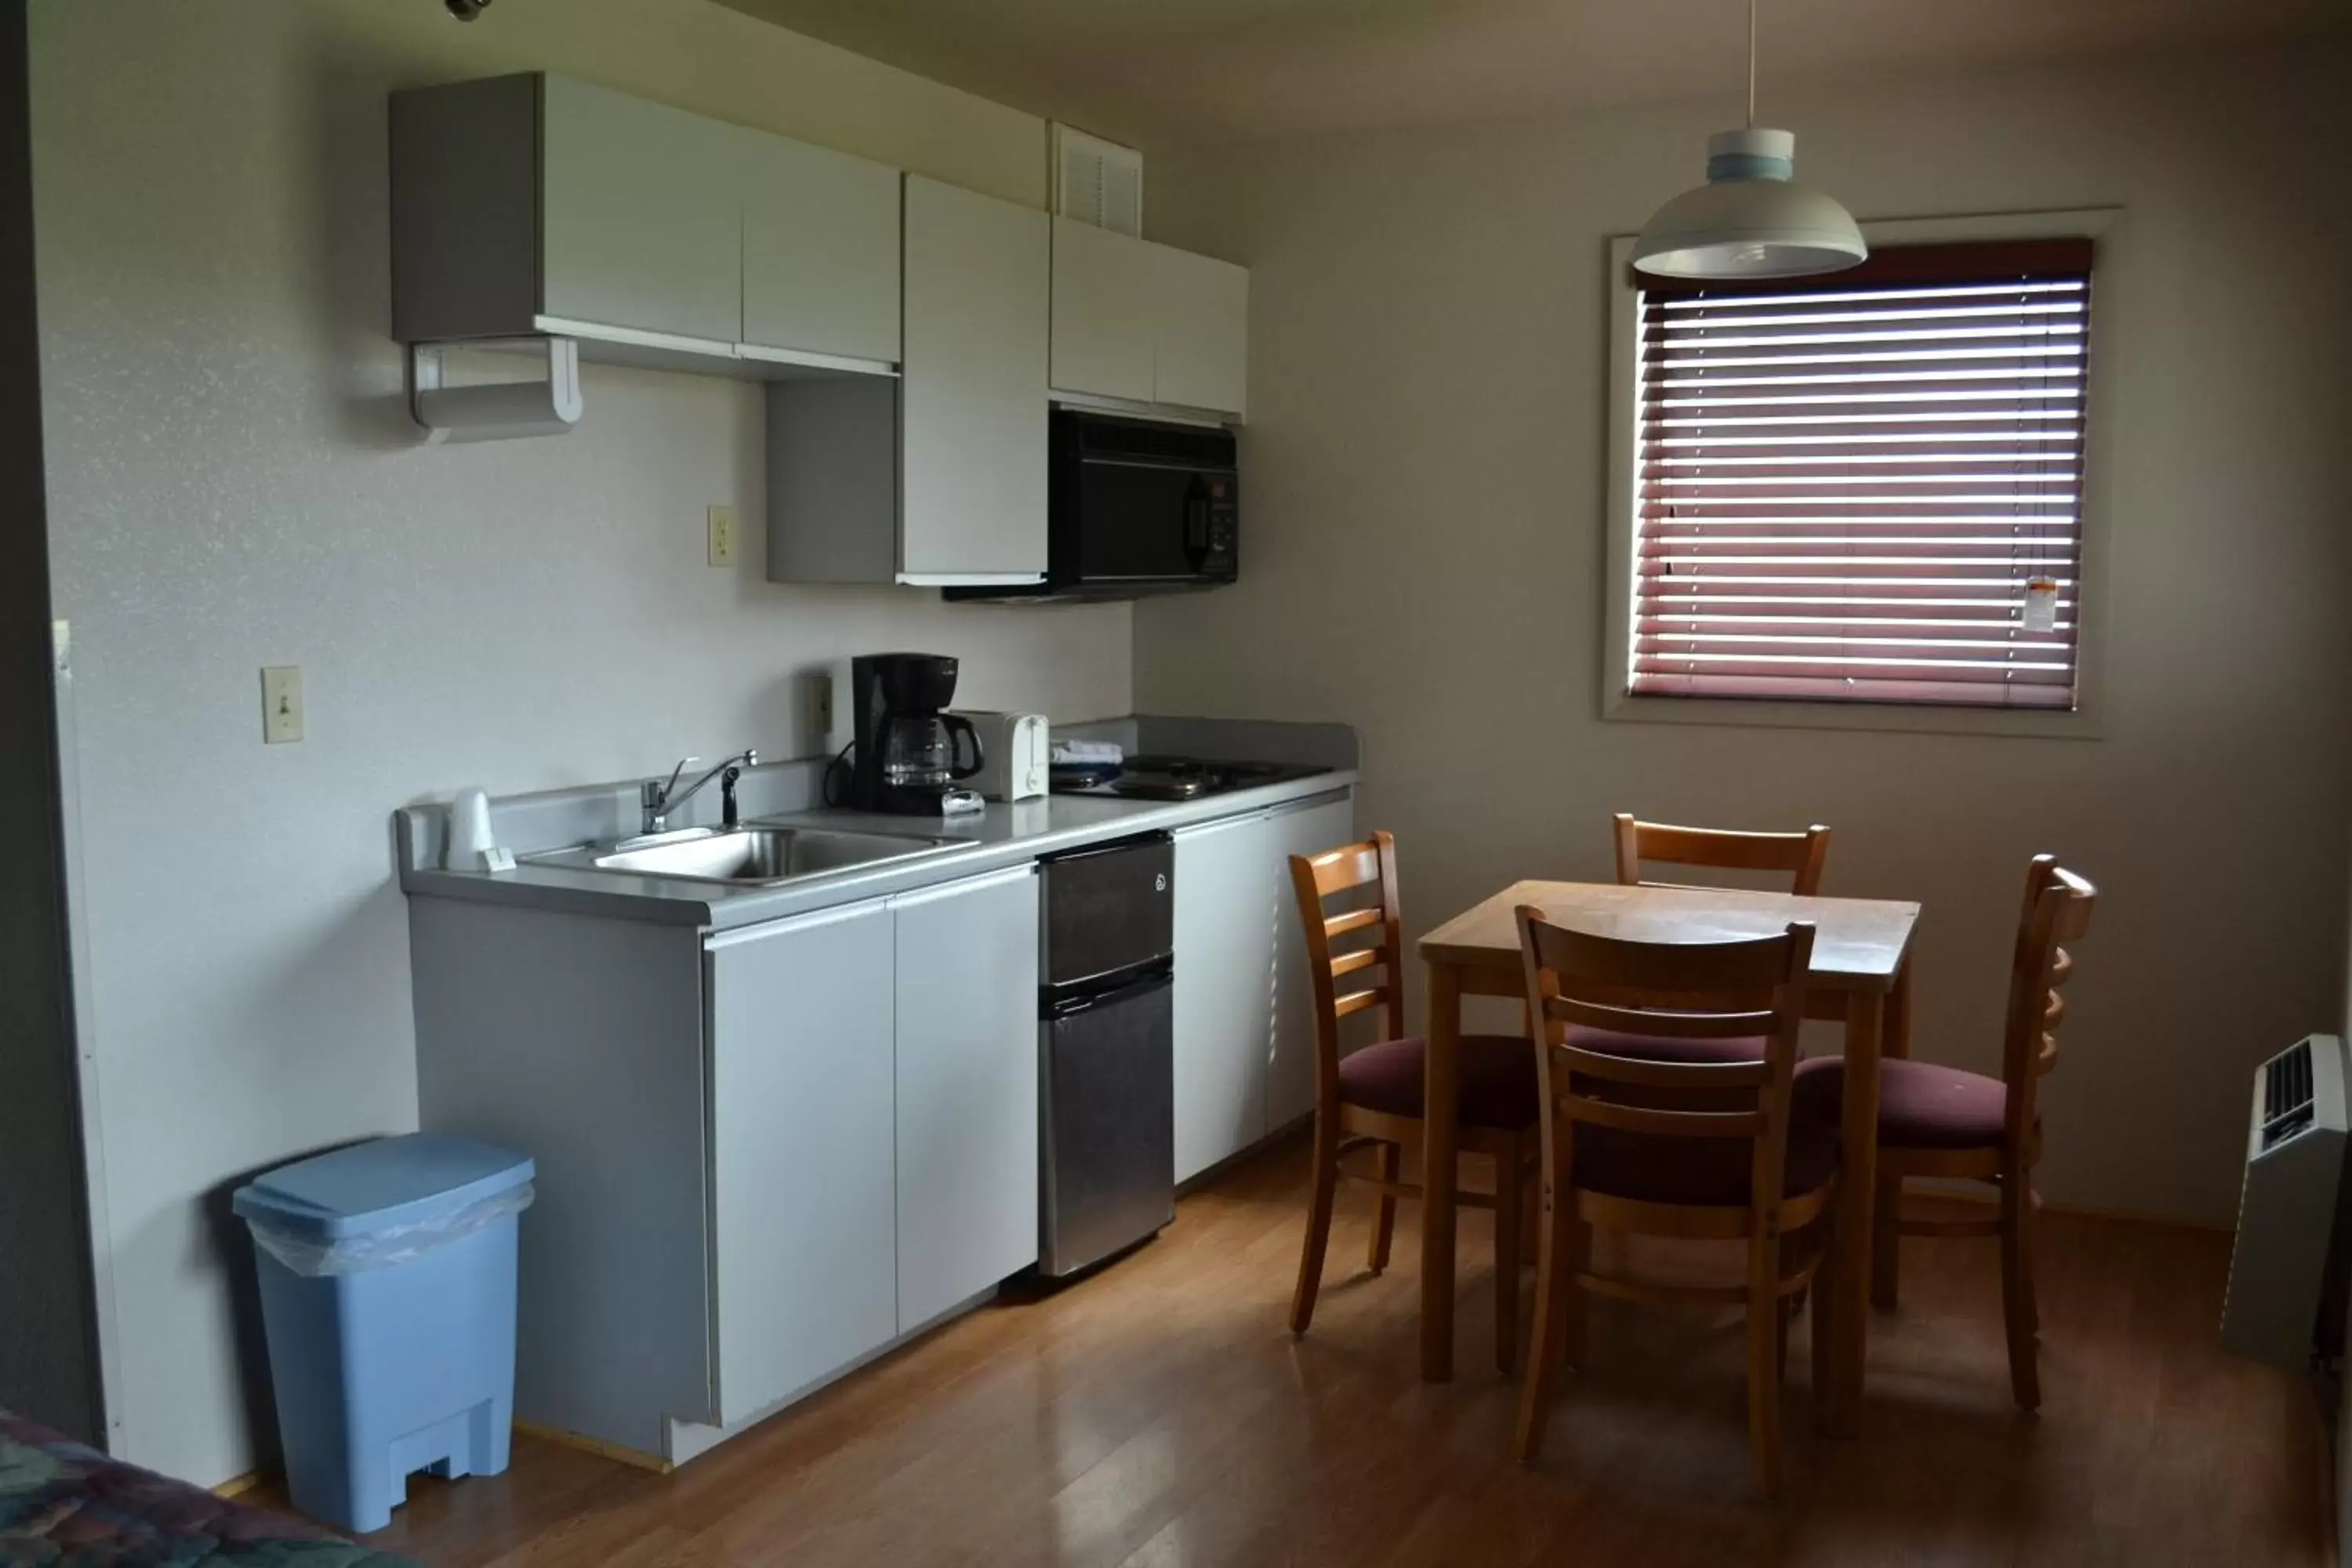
point(721, 521)
point(281, 704)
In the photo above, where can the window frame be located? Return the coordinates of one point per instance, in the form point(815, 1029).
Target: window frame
point(2106, 353)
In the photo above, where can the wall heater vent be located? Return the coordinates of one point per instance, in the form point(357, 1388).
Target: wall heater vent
point(2279, 1271)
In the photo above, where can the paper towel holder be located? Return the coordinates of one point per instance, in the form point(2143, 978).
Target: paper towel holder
point(502, 410)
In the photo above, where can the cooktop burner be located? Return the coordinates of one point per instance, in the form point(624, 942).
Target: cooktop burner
point(1155, 777)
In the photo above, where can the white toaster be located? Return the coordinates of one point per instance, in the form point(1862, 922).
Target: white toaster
point(1014, 753)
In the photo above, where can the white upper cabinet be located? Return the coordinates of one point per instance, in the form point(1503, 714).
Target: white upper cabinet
point(1103, 312)
point(1200, 337)
point(641, 214)
point(972, 415)
point(1147, 324)
point(525, 204)
point(819, 251)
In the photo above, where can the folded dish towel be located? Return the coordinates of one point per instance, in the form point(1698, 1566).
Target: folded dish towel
point(1068, 751)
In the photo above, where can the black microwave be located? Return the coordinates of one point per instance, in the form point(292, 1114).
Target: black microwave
point(1134, 507)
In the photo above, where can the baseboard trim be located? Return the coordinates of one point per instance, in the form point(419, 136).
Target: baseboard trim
point(596, 1446)
point(1959, 1191)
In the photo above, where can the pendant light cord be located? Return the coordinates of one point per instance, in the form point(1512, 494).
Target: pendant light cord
point(1751, 64)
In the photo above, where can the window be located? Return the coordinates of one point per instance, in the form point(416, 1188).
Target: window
point(1867, 487)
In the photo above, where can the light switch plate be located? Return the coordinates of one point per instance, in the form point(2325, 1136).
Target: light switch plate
point(721, 524)
point(281, 704)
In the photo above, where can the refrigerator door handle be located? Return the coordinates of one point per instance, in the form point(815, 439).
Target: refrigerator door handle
point(1157, 975)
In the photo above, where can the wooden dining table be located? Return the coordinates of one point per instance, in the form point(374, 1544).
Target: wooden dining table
point(1861, 974)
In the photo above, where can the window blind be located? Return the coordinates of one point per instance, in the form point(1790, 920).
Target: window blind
point(1850, 485)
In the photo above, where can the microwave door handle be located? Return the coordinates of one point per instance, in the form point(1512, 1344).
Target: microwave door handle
point(1196, 524)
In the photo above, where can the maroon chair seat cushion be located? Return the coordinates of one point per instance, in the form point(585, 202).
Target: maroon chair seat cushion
point(1715, 1172)
point(1920, 1105)
point(1662, 1048)
point(1497, 1079)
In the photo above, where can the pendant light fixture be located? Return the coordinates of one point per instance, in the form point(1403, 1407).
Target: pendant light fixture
point(1751, 219)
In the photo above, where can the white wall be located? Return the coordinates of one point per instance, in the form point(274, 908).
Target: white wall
point(233, 483)
point(1423, 523)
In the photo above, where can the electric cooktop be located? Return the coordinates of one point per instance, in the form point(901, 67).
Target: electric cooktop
point(1154, 777)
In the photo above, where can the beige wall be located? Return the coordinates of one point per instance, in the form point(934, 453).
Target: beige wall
point(1424, 537)
point(234, 482)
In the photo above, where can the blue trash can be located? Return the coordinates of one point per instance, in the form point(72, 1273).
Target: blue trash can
point(388, 1296)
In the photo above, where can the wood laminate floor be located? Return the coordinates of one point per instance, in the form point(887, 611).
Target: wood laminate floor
point(1160, 1414)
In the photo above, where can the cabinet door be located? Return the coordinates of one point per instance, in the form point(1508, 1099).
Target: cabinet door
point(1103, 312)
point(973, 410)
point(1225, 916)
point(803, 1178)
point(1200, 345)
point(640, 215)
point(967, 1071)
point(820, 250)
point(1290, 1065)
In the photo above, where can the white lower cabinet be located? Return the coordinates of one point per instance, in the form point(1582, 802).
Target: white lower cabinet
point(803, 1187)
point(1290, 1065)
point(1223, 1003)
point(1244, 1026)
point(966, 997)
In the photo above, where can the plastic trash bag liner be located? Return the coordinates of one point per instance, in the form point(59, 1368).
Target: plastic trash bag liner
point(393, 1245)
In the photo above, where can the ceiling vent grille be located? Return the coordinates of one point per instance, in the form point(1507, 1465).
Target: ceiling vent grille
point(1098, 182)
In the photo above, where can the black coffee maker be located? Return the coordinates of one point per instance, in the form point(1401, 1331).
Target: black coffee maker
point(906, 753)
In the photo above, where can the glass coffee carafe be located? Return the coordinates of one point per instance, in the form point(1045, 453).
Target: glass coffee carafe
point(926, 750)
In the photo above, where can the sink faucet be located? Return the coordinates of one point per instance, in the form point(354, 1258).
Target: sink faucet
point(661, 801)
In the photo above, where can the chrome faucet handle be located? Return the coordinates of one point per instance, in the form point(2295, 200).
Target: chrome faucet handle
point(659, 794)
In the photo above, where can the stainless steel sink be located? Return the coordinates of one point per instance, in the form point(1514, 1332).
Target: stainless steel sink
point(762, 853)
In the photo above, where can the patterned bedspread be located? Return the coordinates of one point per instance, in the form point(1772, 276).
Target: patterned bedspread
point(66, 1506)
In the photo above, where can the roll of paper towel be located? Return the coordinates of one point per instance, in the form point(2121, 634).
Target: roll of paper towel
point(470, 831)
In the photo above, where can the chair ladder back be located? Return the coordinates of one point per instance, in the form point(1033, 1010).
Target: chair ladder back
point(2057, 910)
point(1313, 878)
point(1801, 855)
point(1716, 989)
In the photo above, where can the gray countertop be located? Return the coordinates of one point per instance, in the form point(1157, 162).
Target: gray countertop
point(1002, 835)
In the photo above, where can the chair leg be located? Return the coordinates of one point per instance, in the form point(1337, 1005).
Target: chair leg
point(1824, 1293)
point(1572, 1312)
point(2019, 1312)
point(1557, 1315)
point(1318, 1222)
point(1887, 1243)
point(1784, 1307)
point(1388, 1164)
point(1510, 1182)
point(1763, 1375)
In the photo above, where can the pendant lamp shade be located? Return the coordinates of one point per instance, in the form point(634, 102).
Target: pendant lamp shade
point(1751, 219)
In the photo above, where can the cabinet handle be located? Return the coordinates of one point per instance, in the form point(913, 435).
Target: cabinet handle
point(766, 930)
point(1021, 872)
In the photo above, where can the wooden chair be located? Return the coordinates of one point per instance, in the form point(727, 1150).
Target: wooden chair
point(1938, 1122)
point(1372, 1097)
point(1751, 1174)
point(1799, 853)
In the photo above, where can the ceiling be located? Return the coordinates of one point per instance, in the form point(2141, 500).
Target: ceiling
point(1156, 72)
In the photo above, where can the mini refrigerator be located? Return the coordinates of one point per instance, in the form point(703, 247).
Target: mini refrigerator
point(1106, 1036)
